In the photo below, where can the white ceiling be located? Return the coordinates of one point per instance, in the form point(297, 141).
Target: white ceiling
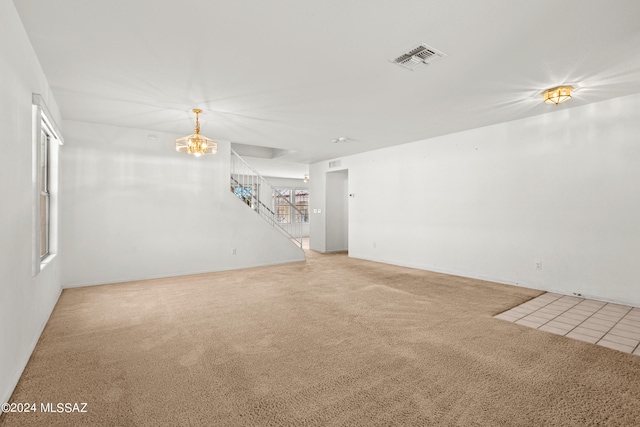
point(292, 75)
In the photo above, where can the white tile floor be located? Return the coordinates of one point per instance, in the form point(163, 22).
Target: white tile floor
point(610, 325)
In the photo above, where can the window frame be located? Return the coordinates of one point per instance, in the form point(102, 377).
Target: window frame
point(301, 204)
point(291, 215)
point(249, 194)
point(44, 184)
point(45, 193)
point(284, 192)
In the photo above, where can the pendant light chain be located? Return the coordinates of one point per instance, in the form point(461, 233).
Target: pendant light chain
point(197, 131)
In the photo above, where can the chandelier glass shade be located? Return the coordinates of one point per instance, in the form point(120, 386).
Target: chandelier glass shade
point(557, 95)
point(196, 144)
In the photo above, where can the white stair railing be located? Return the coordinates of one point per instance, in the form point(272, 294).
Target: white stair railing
point(272, 205)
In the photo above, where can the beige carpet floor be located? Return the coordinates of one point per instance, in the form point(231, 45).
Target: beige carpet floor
point(332, 341)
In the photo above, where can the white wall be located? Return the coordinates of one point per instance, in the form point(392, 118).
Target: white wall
point(283, 182)
point(25, 302)
point(561, 188)
point(134, 208)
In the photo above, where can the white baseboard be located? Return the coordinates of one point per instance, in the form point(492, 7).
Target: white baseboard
point(175, 274)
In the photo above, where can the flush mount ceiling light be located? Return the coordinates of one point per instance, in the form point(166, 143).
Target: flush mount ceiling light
point(557, 95)
point(341, 139)
point(196, 144)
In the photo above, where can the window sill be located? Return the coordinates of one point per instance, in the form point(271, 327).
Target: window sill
point(47, 261)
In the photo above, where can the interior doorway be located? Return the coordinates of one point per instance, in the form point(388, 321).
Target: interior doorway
point(337, 211)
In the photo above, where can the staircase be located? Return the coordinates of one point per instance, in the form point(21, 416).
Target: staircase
point(264, 199)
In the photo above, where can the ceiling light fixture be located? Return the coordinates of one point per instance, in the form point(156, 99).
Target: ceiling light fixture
point(557, 95)
point(341, 139)
point(196, 144)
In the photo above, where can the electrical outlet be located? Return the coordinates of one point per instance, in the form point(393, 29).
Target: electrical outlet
point(538, 265)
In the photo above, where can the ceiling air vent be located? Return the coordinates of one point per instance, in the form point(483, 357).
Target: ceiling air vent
point(334, 164)
point(421, 55)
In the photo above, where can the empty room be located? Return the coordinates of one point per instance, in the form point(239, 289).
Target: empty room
point(295, 213)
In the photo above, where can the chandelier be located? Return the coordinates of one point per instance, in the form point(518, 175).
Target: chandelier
point(196, 144)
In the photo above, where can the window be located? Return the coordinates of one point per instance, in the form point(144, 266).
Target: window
point(282, 205)
point(45, 194)
point(285, 198)
point(45, 142)
point(245, 194)
point(302, 204)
